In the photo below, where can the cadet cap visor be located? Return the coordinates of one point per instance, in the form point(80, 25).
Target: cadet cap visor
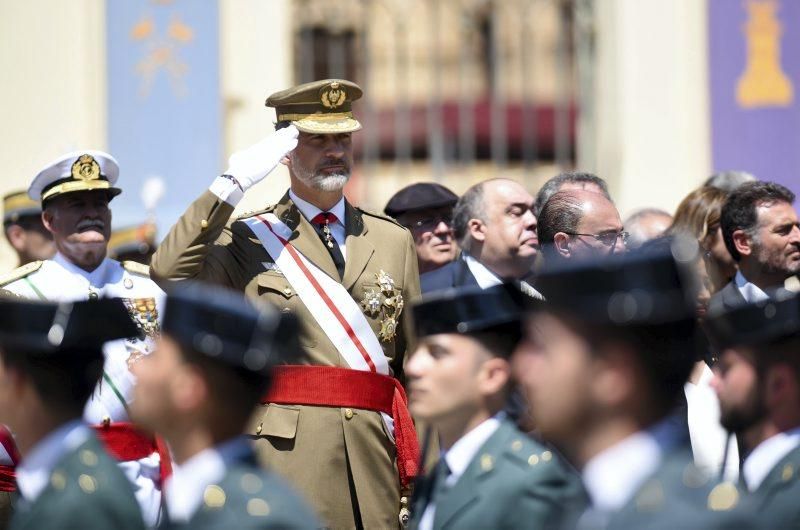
point(758, 323)
point(223, 325)
point(319, 107)
point(17, 205)
point(648, 286)
point(43, 328)
point(420, 196)
point(85, 170)
point(468, 310)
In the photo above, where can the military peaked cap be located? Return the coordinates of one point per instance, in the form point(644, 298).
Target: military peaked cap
point(76, 171)
point(757, 323)
point(319, 107)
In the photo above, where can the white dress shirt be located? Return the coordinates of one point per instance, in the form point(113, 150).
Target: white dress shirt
point(188, 482)
point(614, 475)
point(483, 275)
point(707, 435)
point(750, 291)
point(310, 211)
point(459, 457)
point(33, 473)
point(766, 456)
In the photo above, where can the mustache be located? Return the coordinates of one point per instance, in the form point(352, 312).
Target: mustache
point(90, 223)
point(334, 164)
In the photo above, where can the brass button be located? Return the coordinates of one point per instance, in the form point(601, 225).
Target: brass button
point(287, 291)
point(203, 224)
point(106, 421)
point(92, 295)
point(258, 429)
point(286, 310)
point(348, 414)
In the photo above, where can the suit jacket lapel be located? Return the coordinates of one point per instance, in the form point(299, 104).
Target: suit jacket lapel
point(731, 296)
point(359, 249)
point(304, 238)
point(465, 491)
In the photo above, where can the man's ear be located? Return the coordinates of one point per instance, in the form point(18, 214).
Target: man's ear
point(561, 244)
point(477, 229)
point(16, 237)
point(286, 161)
point(742, 242)
point(47, 220)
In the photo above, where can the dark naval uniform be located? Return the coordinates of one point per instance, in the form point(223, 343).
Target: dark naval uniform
point(513, 482)
point(85, 490)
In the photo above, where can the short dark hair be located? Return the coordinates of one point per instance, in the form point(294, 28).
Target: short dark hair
point(64, 380)
point(552, 186)
point(739, 211)
point(562, 213)
point(469, 206)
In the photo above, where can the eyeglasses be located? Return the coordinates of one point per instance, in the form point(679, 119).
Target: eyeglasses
point(430, 223)
point(608, 239)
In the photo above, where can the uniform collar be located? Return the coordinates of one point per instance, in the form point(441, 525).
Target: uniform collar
point(613, 476)
point(464, 450)
point(483, 275)
point(33, 473)
point(310, 211)
point(750, 291)
point(188, 482)
point(96, 278)
point(766, 456)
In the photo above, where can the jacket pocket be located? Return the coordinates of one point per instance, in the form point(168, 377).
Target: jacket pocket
point(279, 421)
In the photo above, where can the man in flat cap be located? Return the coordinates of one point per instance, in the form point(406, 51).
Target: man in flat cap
point(490, 474)
point(757, 380)
point(336, 425)
point(75, 191)
point(607, 359)
point(210, 369)
point(22, 221)
point(51, 359)
point(426, 209)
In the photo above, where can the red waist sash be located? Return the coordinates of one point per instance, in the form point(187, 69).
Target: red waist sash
point(342, 387)
point(125, 442)
point(7, 481)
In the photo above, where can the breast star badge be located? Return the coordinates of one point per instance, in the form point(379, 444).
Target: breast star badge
point(385, 303)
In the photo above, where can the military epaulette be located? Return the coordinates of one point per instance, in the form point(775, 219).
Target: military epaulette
point(134, 267)
point(251, 213)
point(20, 272)
point(379, 216)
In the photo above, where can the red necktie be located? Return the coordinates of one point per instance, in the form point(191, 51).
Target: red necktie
point(322, 222)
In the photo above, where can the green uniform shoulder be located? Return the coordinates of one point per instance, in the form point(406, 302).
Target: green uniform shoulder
point(251, 213)
point(134, 267)
point(20, 272)
point(379, 216)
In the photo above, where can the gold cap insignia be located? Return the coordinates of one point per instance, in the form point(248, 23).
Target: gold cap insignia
point(86, 168)
point(333, 96)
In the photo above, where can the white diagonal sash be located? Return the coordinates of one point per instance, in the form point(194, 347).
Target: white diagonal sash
point(331, 305)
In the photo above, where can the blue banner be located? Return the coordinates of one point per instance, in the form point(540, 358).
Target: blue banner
point(164, 103)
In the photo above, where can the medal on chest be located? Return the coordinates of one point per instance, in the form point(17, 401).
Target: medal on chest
point(384, 302)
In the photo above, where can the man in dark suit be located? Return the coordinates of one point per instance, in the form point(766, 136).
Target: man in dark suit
point(757, 380)
point(199, 387)
point(608, 356)
point(761, 231)
point(490, 474)
point(496, 229)
point(51, 358)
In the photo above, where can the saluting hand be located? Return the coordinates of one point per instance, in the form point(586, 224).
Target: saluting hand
point(251, 165)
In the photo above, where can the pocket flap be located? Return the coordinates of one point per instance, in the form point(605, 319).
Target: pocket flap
point(279, 421)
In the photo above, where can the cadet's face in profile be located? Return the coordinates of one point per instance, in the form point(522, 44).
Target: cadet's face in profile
point(444, 376)
point(81, 225)
point(152, 404)
point(553, 366)
point(736, 384)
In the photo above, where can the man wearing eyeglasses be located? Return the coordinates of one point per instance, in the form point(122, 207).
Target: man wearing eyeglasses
point(426, 208)
point(580, 224)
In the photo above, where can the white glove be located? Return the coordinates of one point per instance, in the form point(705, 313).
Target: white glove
point(251, 165)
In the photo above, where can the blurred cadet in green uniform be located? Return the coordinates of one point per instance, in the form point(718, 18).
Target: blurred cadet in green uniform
point(198, 389)
point(490, 474)
point(133, 243)
point(605, 361)
point(757, 380)
point(25, 232)
point(51, 358)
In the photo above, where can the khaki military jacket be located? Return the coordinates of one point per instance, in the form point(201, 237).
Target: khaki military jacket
point(342, 460)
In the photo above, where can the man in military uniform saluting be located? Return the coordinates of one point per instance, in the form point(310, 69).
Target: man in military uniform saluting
point(757, 380)
point(51, 358)
point(336, 424)
point(491, 474)
point(75, 191)
point(198, 388)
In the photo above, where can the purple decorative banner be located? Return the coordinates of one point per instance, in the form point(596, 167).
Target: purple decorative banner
point(754, 61)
